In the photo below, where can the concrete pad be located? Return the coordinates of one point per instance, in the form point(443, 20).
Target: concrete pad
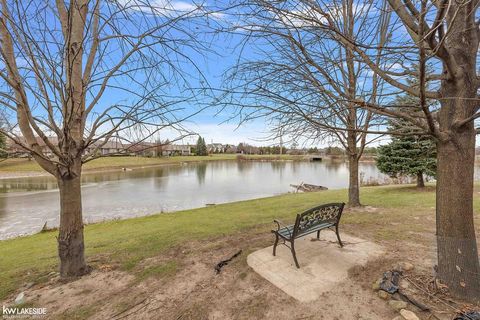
point(323, 264)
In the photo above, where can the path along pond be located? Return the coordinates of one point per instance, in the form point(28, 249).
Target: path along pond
point(27, 203)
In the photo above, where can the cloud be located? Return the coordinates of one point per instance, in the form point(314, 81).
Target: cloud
point(395, 67)
point(301, 16)
point(311, 16)
point(228, 133)
point(254, 133)
point(169, 8)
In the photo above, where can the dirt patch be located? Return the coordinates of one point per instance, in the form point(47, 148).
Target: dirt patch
point(182, 284)
point(194, 291)
point(90, 290)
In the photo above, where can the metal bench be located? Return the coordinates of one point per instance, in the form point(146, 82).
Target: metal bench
point(313, 220)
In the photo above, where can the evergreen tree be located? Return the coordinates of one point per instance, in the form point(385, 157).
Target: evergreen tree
point(198, 147)
point(205, 150)
point(410, 155)
point(201, 147)
point(407, 153)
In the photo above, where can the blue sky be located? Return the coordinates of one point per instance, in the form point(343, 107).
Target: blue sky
point(223, 51)
point(212, 123)
point(220, 54)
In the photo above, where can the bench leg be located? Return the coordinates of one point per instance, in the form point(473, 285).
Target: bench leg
point(318, 234)
point(294, 255)
point(275, 244)
point(338, 236)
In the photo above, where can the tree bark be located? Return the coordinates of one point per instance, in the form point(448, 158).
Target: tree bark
point(353, 182)
point(420, 181)
point(458, 264)
point(458, 261)
point(70, 240)
point(352, 119)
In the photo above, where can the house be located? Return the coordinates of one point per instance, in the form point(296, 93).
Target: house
point(103, 148)
point(15, 149)
point(100, 147)
point(230, 148)
point(150, 149)
point(110, 147)
point(176, 150)
point(143, 149)
point(216, 148)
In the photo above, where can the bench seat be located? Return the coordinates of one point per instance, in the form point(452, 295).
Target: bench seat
point(287, 232)
point(310, 221)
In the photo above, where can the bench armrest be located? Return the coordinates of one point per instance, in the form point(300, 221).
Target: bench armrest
point(281, 225)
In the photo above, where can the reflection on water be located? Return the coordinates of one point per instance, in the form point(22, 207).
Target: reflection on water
point(201, 171)
point(27, 203)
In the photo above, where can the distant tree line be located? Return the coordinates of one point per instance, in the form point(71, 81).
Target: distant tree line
point(3, 146)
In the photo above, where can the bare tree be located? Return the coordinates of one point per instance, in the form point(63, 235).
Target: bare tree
point(305, 82)
point(449, 36)
point(78, 74)
point(444, 33)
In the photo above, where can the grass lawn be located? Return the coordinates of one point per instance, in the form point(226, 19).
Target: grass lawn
point(25, 165)
point(127, 242)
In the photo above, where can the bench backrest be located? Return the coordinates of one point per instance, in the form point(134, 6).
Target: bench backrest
point(327, 213)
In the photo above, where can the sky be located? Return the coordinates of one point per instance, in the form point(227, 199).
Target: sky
point(213, 123)
point(222, 125)
point(206, 69)
point(219, 54)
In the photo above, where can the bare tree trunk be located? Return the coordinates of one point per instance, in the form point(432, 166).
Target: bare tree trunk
point(353, 157)
point(70, 239)
point(458, 264)
point(353, 182)
point(420, 181)
point(352, 119)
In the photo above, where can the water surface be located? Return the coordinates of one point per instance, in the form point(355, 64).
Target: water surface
point(27, 203)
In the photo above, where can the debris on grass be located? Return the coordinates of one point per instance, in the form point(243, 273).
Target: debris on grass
point(221, 264)
point(470, 315)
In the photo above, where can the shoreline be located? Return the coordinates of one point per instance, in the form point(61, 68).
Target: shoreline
point(220, 204)
point(22, 175)
point(180, 160)
point(39, 172)
point(151, 214)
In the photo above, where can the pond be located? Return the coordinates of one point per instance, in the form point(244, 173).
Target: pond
point(27, 203)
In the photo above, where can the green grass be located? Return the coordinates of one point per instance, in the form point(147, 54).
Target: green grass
point(25, 165)
point(158, 271)
point(128, 242)
point(19, 165)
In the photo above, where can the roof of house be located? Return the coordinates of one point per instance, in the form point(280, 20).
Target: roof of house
point(15, 147)
point(110, 144)
point(175, 147)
